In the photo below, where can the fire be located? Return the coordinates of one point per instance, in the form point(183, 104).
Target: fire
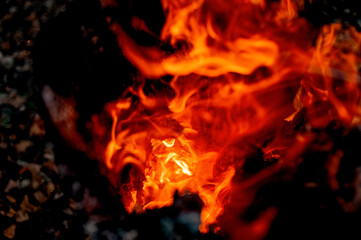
point(242, 72)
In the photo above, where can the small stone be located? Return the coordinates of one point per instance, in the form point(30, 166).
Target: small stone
point(11, 184)
point(50, 164)
point(11, 213)
point(50, 188)
point(27, 206)
point(73, 205)
point(58, 195)
point(40, 197)
point(16, 100)
point(21, 216)
point(37, 128)
point(13, 9)
point(68, 211)
point(24, 183)
point(131, 235)
point(90, 228)
point(23, 145)
point(10, 231)
point(11, 199)
point(49, 152)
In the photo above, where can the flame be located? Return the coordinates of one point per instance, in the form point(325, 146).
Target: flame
point(241, 71)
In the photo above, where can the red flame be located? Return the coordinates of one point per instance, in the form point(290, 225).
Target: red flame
point(242, 71)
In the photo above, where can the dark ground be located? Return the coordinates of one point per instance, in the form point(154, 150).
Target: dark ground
point(50, 191)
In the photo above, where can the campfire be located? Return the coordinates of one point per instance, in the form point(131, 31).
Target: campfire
point(251, 107)
point(229, 97)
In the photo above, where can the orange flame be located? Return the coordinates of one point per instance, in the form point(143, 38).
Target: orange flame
point(242, 70)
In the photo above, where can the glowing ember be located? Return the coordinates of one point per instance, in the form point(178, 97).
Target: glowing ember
point(242, 72)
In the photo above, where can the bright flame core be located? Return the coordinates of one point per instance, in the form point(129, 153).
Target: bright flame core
point(242, 73)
